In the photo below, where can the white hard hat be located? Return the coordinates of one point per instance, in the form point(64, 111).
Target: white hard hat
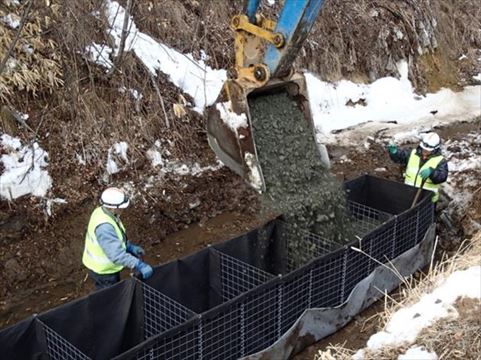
point(430, 141)
point(114, 198)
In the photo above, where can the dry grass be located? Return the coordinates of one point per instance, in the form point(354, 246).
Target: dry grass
point(458, 338)
point(33, 63)
point(89, 113)
point(450, 338)
point(363, 39)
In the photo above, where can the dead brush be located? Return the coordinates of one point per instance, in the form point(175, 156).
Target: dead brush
point(458, 338)
point(413, 289)
point(363, 40)
point(29, 57)
point(203, 26)
point(335, 352)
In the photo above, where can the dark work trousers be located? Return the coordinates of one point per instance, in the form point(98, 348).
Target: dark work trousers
point(102, 281)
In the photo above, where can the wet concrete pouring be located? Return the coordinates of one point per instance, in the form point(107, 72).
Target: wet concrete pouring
point(298, 185)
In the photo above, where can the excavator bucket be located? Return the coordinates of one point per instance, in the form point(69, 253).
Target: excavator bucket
point(229, 126)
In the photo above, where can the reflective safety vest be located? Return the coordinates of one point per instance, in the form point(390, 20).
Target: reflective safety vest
point(94, 257)
point(411, 177)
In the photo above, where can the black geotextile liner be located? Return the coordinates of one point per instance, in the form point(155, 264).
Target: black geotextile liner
point(189, 281)
point(263, 248)
point(382, 195)
point(103, 324)
point(226, 301)
point(23, 341)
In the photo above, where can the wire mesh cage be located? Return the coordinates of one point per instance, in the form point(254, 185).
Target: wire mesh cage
point(161, 313)
point(303, 246)
point(364, 219)
point(238, 277)
point(58, 348)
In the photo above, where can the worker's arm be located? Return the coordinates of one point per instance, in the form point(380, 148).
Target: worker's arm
point(112, 247)
point(400, 156)
point(440, 174)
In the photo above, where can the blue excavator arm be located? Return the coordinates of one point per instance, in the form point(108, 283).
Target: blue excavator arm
point(265, 51)
point(295, 22)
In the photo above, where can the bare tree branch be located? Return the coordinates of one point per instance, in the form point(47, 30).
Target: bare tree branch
point(23, 20)
point(156, 86)
point(124, 32)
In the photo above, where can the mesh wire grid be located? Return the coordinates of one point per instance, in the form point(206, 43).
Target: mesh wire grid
point(185, 344)
point(327, 274)
point(256, 320)
point(238, 277)
point(221, 334)
point(261, 318)
point(161, 313)
point(60, 349)
point(406, 232)
point(356, 268)
point(364, 219)
point(296, 297)
point(380, 246)
point(426, 216)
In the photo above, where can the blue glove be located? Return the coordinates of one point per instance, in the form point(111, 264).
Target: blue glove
point(145, 269)
point(135, 250)
point(392, 149)
point(425, 173)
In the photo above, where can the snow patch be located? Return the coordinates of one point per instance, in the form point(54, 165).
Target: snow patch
point(12, 2)
point(136, 95)
point(459, 165)
point(11, 20)
point(50, 202)
point(117, 152)
point(99, 54)
point(193, 77)
point(24, 169)
point(418, 353)
point(255, 178)
point(406, 324)
point(159, 157)
point(336, 106)
point(80, 159)
point(230, 118)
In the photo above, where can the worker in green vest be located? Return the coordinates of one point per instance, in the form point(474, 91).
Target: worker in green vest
point(107, 250)
point(425, 165)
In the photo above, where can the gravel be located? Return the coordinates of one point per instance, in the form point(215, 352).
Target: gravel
point(297, 183)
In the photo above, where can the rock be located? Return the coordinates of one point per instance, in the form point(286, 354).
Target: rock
point(11, 228)
point(8, 120)
point(298, 184)
point(14, 272)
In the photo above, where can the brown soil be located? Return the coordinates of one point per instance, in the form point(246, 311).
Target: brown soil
point(67, 279)
point(353, 336)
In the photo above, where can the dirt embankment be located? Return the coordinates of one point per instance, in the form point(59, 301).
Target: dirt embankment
point(80, 112)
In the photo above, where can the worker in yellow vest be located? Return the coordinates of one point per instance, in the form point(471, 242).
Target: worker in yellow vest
point(107, 250)
point(425, 165)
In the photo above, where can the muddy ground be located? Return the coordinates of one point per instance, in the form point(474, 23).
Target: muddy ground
point(41, 260)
